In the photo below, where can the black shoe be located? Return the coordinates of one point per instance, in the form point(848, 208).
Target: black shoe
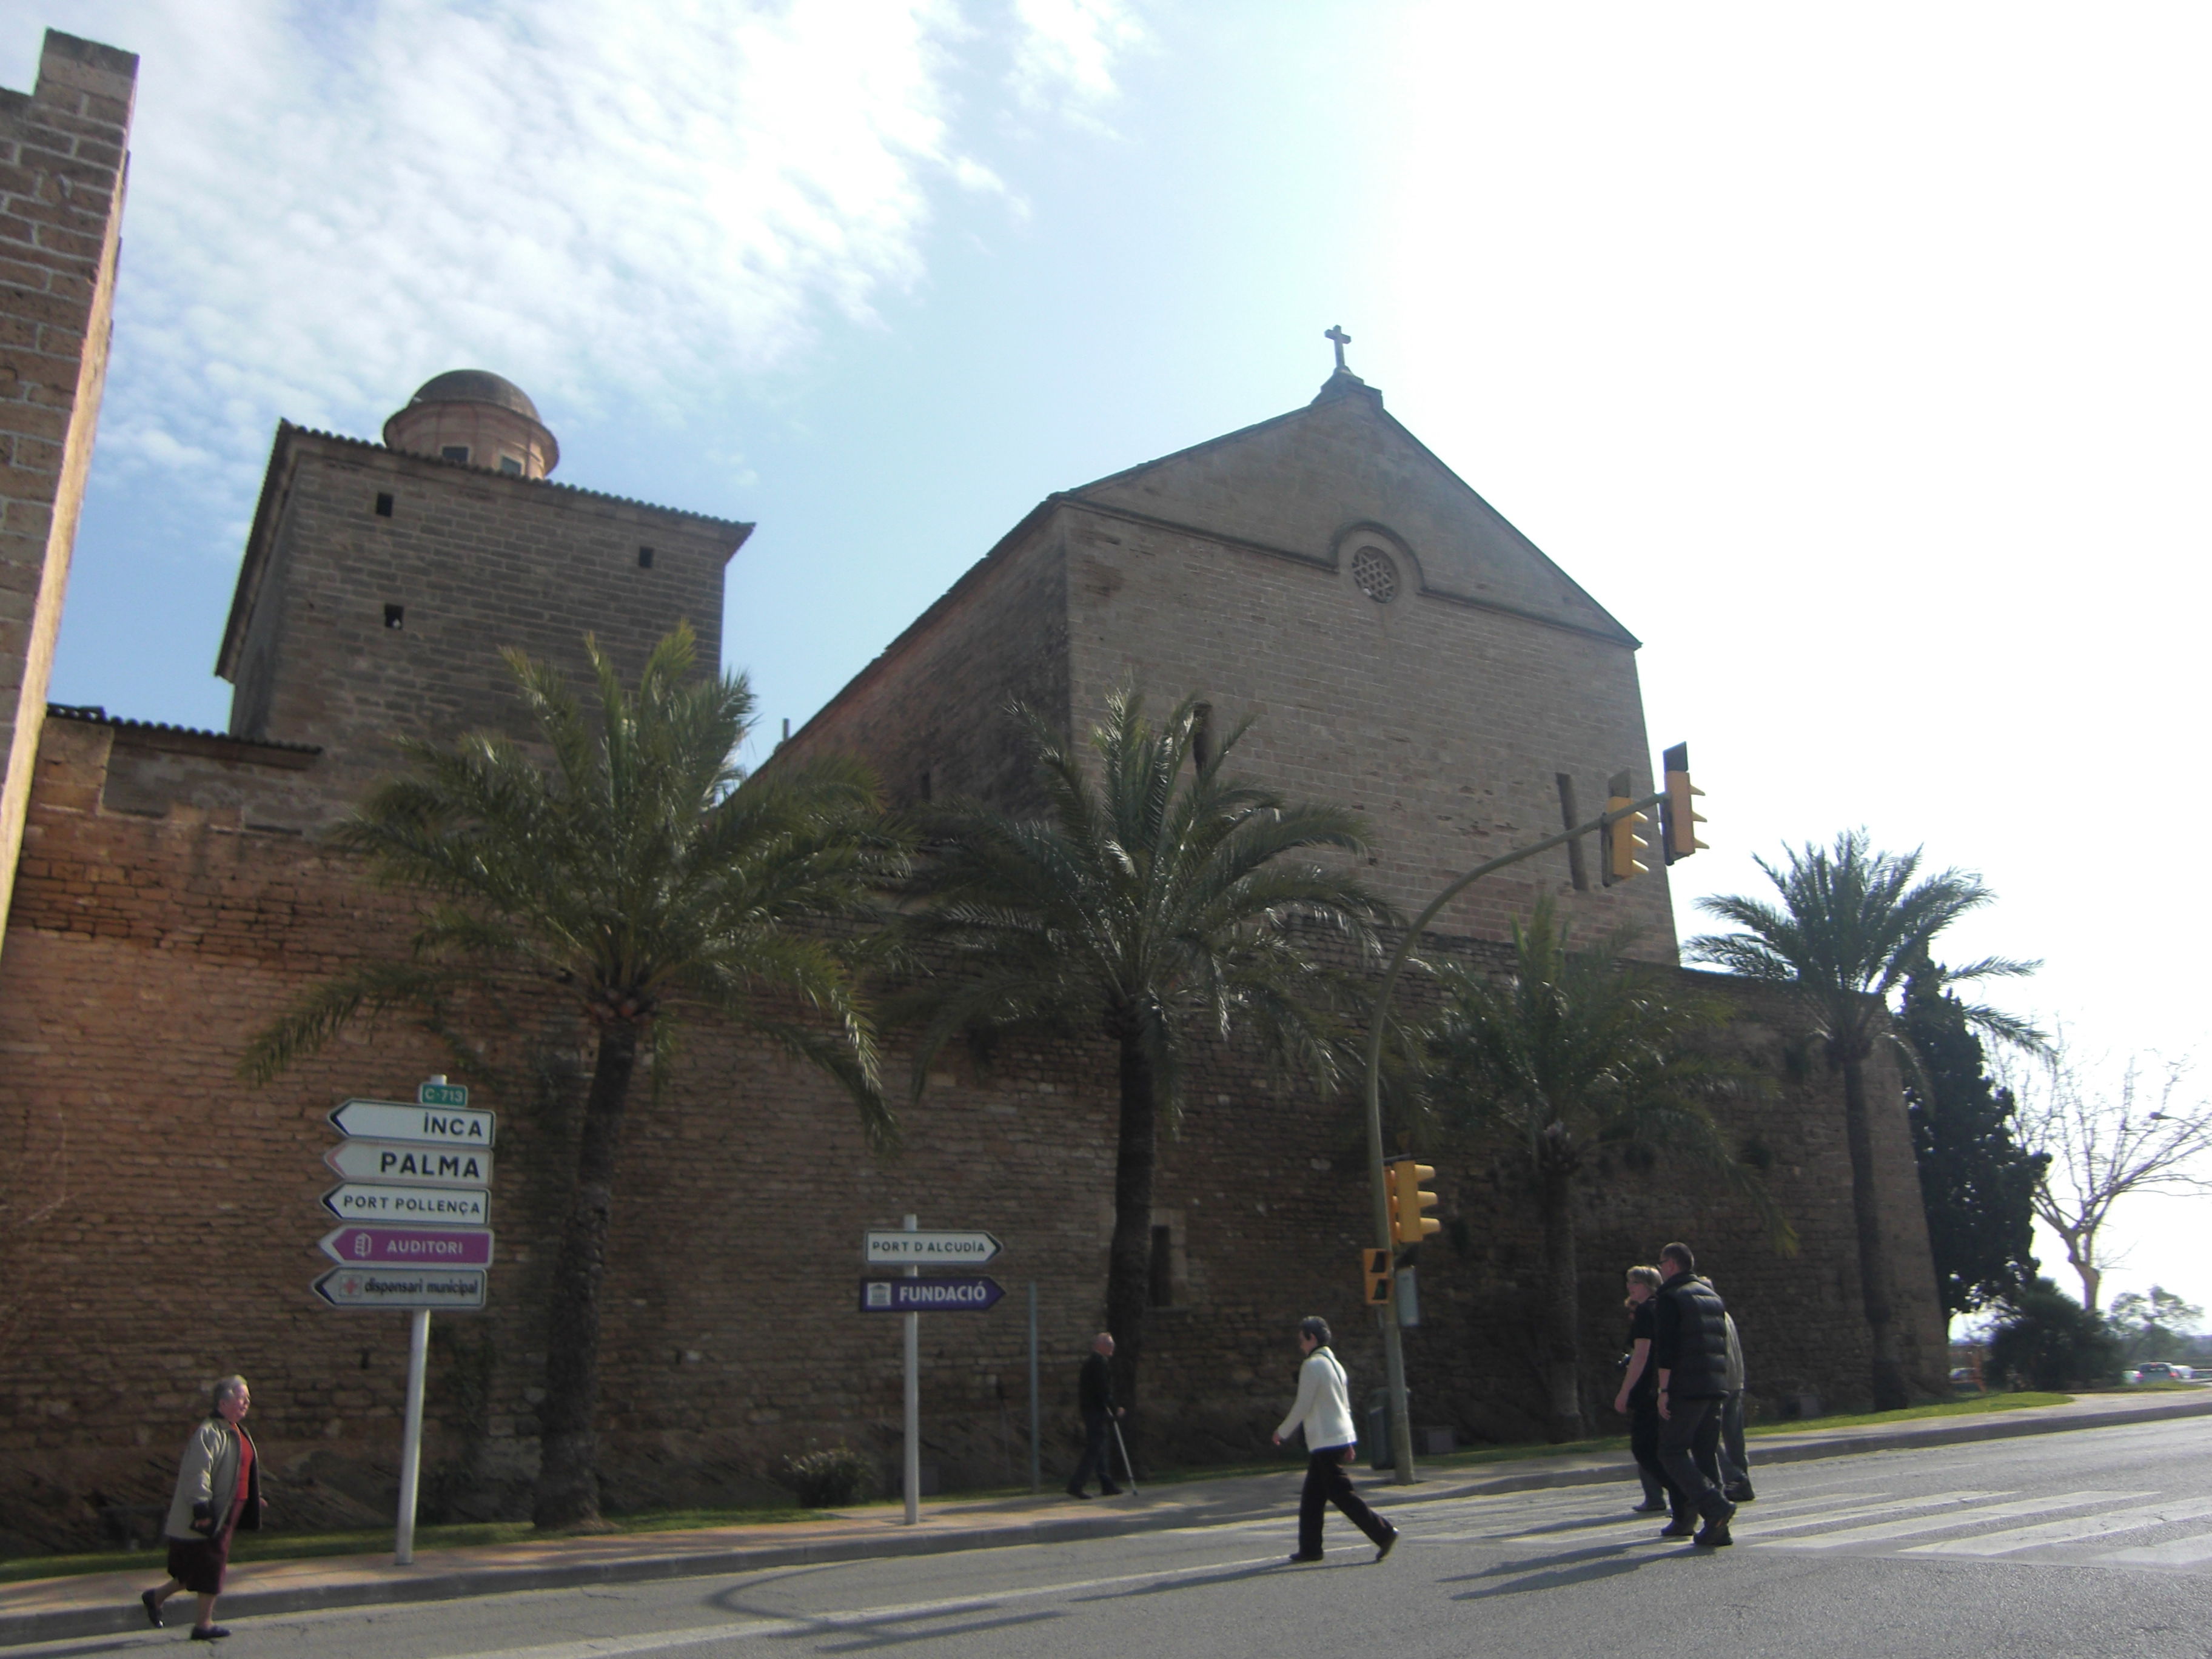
point(1303, 1556)
point(1741, 1494)
point(1389, 1542)
point(1680, 1527)
point(210, 1632)
point(1077, 1491)
point(153, 1605)
point(1649, 1508)
point(1110, 1491)
point(1714, 1536)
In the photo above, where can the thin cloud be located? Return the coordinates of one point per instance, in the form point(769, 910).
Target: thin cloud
point(1067, 52)
point(600, 199)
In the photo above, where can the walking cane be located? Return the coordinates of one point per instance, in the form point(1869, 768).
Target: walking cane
point(1126, 1463)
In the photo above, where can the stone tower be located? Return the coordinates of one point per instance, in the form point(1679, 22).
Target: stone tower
point(380, 584)
point(63, 158)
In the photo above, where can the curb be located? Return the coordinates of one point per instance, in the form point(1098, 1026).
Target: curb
point(62, 1624)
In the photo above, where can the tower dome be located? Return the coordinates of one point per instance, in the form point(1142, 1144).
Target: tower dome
point(476, 418)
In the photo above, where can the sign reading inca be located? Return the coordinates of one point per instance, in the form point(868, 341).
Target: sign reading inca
point(445, 1206)
point(402, 1287)
point(408, 1162)
point(887, 1247)
point(393, 1120)
point(410, 1247)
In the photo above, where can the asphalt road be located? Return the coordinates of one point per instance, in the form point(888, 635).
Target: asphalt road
point(2098, 1542)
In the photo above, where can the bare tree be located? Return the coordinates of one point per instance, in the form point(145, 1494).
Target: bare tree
point(2105, 1145)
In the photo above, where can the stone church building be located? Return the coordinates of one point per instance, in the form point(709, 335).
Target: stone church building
point(1402, 649)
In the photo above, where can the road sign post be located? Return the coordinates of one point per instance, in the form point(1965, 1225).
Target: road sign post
point(913, 1460)
point(411, 1437)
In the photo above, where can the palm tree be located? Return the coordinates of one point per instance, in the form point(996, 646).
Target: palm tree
point(641, 872)
point(1851, 926)
point(1157, 907)
point(1567, 1054)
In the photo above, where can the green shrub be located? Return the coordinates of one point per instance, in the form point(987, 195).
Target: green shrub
point(829, 1479)
point(2046, 1339)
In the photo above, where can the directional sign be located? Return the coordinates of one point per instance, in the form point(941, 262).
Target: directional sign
point(885, 1247)
point(968, 1293)
point(402, 1287)
point(409, 1247)
point(391, 1120)
point(443, 1206)
point(410, 1163)
point(441, 1094)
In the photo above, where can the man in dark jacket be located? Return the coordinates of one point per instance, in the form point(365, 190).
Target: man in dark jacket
point(1690, 1351)
point(1095, 1395)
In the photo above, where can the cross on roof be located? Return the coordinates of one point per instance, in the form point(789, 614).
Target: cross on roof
point(1342, 340)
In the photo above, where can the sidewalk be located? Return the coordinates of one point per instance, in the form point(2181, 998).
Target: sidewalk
point(97, 1604)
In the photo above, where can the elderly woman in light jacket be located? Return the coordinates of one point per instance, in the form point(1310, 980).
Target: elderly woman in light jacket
point(218, 1493)
point(1325, 1414)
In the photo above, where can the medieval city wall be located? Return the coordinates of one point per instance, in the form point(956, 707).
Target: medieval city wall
point(62, 162)
point(163, 1214)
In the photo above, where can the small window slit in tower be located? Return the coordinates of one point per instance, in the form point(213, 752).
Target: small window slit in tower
point(383, 505)
point(645, 558)
point(395, 617)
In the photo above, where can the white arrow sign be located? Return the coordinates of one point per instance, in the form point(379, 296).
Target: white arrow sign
point(408, 1163)
point(885, 1246)
point(400, 1287)
point(392, 1119)
point(446, 1206)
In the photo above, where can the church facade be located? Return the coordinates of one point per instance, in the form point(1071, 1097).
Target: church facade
point(1400, 648)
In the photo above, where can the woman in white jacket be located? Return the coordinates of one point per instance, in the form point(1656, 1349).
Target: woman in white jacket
point(1325, 1414)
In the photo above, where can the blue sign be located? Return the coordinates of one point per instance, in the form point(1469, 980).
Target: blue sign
point(969, 1294)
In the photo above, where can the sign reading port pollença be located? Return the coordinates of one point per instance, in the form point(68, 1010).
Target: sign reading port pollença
point(393, 1120)
point(409, 1162)
point(400, 1287)
point(968, 1293)
point(441, 1206)
point(884, 1246)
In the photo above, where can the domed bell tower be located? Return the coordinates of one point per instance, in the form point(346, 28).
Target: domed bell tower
point(475, 418)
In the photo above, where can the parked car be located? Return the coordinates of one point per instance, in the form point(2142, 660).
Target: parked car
point(2160, 1370)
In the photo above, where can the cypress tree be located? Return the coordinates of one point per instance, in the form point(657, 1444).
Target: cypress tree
point(1976, 1182)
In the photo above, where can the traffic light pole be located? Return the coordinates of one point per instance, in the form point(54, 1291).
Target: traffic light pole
point(1401, 1429)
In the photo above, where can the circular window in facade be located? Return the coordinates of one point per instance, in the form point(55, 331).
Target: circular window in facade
point(1376, 575)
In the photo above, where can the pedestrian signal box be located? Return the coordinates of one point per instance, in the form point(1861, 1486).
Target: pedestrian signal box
point(1403, 1178)
point(1376, 1265)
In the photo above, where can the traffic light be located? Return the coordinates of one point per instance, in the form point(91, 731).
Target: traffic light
point(1678, 819)
point(1375, 1264)
point(1622, 843)
point(1403, 1178)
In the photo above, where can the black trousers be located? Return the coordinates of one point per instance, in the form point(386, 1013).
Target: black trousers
point(1644, 1446)
point(1689, 1447)
point(1098, 1434)
point(1326, 1484)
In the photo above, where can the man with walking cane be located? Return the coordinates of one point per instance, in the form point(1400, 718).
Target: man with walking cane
point(1095, 1395)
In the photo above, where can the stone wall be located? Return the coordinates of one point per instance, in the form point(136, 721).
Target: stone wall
point(173, 1213)
point(379, 589)
point(63, 158)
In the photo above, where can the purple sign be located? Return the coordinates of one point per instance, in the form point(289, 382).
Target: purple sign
point(970, 1293)
point(412, 1247)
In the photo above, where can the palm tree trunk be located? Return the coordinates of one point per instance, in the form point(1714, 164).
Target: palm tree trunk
point(568, 1477)
point(1889, 1390)
point(1128, 1270)
point(1562, 1312)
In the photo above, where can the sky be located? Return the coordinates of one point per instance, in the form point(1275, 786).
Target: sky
point(1852, 357)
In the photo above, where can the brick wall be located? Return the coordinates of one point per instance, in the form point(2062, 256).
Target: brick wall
point(62, 166)
point(180, 1216)
point(352, 625)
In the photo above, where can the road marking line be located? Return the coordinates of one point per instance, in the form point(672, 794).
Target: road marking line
point(2072, 1500)
point(1875, 1511)
point(2060, 1532)
point(2181, 1553)
point(608, 1647)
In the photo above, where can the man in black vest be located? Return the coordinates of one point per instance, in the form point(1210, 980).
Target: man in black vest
point(1690, 1352)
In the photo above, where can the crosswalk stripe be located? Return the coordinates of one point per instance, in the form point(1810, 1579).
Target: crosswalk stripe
point(1768, 1516)
point(1965, 1517)
point(2181, 1553)
point(1873, 1511)
point(2061, 1531)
